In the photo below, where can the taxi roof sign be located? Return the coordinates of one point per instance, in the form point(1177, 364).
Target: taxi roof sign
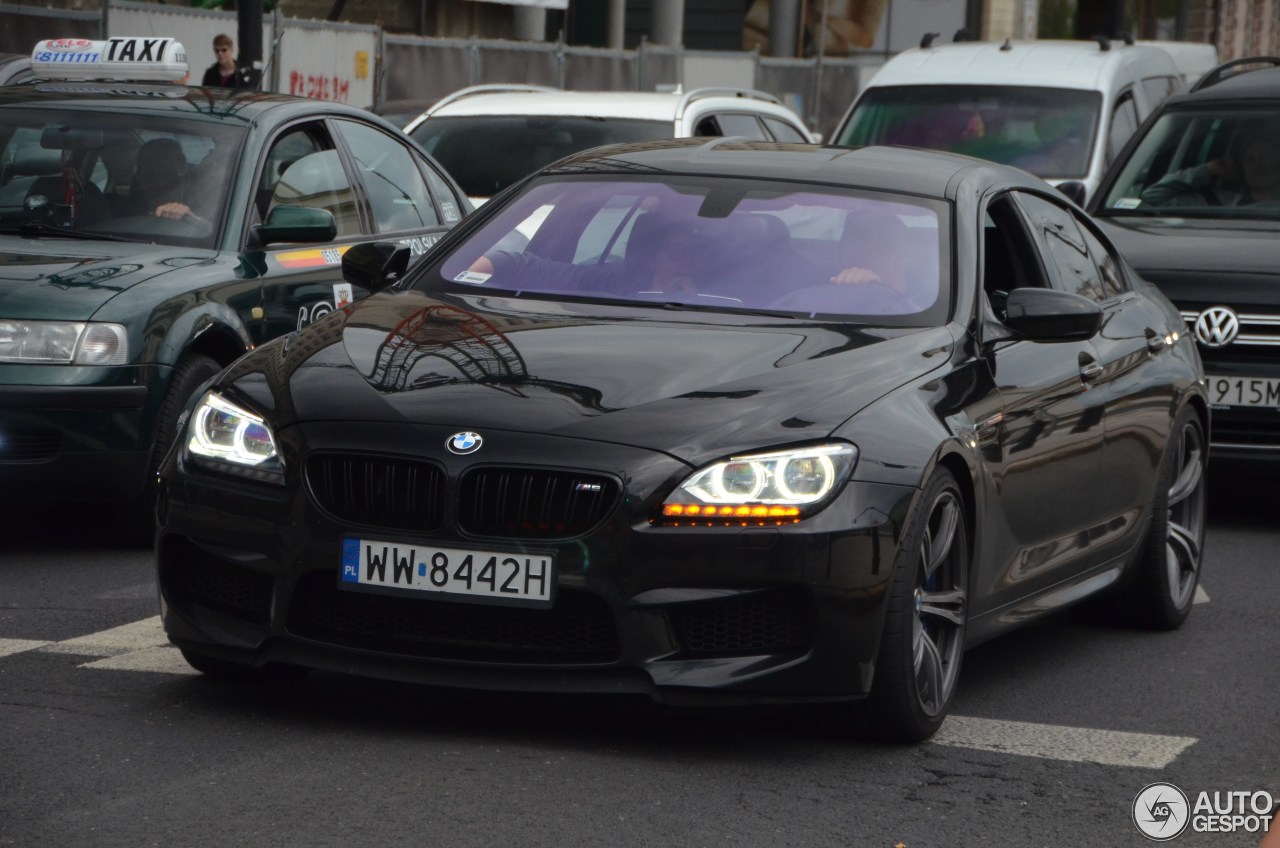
point(119, 59)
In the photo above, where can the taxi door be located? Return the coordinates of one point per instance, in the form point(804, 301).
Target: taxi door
point(375, 186)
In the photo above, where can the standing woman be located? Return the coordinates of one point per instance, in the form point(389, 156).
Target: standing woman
point(226, 72)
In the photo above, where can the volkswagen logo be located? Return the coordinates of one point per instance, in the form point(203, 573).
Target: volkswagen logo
point(1217, 326)
point(464, 443)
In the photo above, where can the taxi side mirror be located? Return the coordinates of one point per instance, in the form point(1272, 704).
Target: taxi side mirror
point(297, 223)
point(375, 265)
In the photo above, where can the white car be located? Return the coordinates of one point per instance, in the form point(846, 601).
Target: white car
point(1059, 109)
point(489, 136)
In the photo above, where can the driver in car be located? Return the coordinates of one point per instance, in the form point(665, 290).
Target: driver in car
point(1248, 174)
point(160, 183)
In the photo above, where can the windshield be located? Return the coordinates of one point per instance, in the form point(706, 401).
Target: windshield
point(720, 243)
point(1208, 163)
point(115, 175)
point(485, 154)
point(1047, 131)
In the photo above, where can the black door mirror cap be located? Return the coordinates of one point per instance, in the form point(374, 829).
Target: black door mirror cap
point(1048, 315)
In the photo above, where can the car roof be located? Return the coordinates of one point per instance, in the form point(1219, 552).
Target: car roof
point(927, 173)
point(1049, 64)
point(168, 100)
point(1263, 84)
point(641, 105)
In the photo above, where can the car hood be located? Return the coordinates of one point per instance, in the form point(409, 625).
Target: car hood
point(1196, 262)
point(625, 375)
point(65, 279)
point(1176, 244)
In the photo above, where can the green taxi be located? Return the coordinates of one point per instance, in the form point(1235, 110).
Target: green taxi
point(152, 233)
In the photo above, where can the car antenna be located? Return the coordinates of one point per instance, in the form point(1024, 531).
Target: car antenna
point(275, 45)
point(927, 41)
point(1008, 44)
point(1104, 43)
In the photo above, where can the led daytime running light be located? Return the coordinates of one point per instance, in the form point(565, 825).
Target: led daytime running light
point(237, 450)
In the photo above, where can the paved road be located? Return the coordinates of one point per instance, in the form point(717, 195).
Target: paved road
point(106, 739)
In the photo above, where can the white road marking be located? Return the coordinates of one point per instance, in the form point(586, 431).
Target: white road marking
point(1055, 742)
point(142, 646)
point(1202, 597)
point(9, 647)
point(118, 640)
point(164, 659)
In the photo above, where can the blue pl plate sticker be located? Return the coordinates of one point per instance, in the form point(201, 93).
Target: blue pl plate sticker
point(350, 560)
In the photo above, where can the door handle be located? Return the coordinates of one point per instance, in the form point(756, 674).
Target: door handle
point(1090, 371)
point(1155, 341)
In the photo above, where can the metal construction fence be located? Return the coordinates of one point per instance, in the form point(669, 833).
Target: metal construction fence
point(365, 66)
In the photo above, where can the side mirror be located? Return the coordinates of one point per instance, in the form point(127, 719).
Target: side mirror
point(375, 265)
point(297, 223)
point(1075, 191)
point(1045, 315)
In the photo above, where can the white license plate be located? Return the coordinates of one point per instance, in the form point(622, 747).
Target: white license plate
point(462, 574)
point(1244, 391)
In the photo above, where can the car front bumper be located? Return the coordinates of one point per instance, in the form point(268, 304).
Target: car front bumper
point(72, 442)
point(250, 573)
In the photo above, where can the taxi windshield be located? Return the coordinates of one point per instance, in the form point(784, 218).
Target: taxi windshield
point(715, 244)
point(1203, 163)
point(113, 175)
point(1047, 131)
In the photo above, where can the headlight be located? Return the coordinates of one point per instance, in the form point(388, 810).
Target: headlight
point(222, 436)
point(63, 342)
point(762, 488)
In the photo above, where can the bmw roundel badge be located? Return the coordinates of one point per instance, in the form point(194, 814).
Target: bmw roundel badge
point(464, 443)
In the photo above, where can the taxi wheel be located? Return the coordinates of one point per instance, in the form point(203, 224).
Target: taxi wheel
point(138, 522)
point(923, 642)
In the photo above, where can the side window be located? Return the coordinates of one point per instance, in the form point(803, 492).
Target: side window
point(395, 187)
point(286, 150)
point(317, 180)
point(1008, 255)
point(1157, 89)
point(782, 131)
point(1106, 261)
point(450, 206)
point(743, 125)
point(1124, 123)
point(1064, 248)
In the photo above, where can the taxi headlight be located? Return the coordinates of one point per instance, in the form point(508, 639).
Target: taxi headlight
point(225, 437)
point(63, 342)
point(761, 489)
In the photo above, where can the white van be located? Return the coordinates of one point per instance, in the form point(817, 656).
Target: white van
point(1059, 109)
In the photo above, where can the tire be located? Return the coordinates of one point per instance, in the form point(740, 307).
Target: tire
point(922, 646)
point(137, 519)
point(1166, 571)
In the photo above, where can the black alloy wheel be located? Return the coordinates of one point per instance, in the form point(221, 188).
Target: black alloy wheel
point(923, 642)
point(1169, 568)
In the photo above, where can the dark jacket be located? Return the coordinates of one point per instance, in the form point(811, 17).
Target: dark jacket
point(244, 77)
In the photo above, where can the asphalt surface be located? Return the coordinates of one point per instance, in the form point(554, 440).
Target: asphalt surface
point(93, 755)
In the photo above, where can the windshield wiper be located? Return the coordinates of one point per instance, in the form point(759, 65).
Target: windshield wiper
point(37, 229)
